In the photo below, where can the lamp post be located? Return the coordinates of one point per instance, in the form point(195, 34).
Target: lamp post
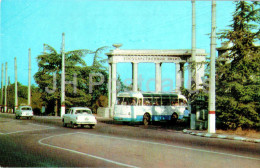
point(29, 78)
point(211, 108)
point(15, 90)
point(193, 55)
point(62, 112)
point(5, 107)
point(2, 87)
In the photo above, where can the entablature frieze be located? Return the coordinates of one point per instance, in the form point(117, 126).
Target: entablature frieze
point(154, 56)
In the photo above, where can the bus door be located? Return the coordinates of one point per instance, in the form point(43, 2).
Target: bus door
point(166, 111)
point(157, 108)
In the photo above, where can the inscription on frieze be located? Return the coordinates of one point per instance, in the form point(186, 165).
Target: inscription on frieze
point(149, 58)
point(155, 59)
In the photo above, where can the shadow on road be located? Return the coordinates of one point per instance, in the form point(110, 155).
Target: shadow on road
point(163, 125)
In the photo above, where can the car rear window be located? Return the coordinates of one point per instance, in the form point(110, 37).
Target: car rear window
point(26, 108)
point(83, 111)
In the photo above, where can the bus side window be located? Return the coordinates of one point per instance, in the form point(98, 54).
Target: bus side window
point(174, 102)
point(147, 101)
point(133, 101)
point(128, 101)
point(157, 101)
point(165, 101)
point(124, 102)
point(119, 100)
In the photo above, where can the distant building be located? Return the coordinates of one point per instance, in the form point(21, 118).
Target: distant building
point(225, 50)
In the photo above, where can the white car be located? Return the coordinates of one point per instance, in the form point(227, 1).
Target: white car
point(24, 111)
point(79, 116)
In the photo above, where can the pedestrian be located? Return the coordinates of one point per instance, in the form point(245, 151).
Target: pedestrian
point(43, 110)
point(186, 112)
point(186, 116)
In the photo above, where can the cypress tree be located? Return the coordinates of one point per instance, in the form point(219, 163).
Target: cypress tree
point(238, 76)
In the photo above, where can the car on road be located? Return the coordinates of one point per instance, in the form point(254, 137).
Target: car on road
point(24, 111)
point(79, 116)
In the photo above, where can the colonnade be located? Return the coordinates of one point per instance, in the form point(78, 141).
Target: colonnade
point(179, 78)
point(158, 57)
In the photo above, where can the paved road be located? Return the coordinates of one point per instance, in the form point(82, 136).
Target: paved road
point(44, 142)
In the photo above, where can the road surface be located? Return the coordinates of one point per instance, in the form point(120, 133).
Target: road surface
point(43, 142)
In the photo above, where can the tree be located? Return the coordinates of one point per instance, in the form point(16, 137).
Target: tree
point(48, 76)
point(23, 96)
point(98, 60)
point(77, 78)
point(238, 75)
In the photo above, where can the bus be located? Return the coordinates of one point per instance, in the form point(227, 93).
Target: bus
point(147, 107)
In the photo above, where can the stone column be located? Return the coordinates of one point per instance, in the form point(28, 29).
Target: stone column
point(199, 75)
point(177, 77)
point(189, 76)
point(113, 88)
point(182, 74)
point(158, 77)
point(109, 85)
point(134, 76)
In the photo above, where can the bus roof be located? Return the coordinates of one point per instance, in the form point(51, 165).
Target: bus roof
point(130, 94)
point(148, 94)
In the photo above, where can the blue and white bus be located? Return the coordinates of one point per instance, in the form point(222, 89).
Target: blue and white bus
point(146, 107)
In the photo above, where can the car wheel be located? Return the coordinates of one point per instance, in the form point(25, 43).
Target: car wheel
point(64, 124)
point(146, 119)
point(74, 125)
point(92, 126)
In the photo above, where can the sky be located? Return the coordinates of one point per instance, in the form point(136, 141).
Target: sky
point(90, 24)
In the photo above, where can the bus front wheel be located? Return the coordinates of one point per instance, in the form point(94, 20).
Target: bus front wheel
point(146, 119)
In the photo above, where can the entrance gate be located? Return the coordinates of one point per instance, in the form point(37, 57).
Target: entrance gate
point(179, 57)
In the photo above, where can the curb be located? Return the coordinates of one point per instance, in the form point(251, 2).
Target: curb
point(220, 136)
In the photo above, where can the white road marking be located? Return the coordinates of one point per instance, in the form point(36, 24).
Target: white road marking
point(8, 120)
point(42, 125)
point(46, 127)
point(173, 146)
point(81, 153)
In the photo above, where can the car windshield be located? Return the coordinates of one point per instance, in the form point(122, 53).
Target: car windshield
point(83, 111)
point(26, 108)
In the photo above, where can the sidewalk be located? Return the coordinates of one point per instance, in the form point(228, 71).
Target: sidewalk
point(220, 136)
point(204, 133)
